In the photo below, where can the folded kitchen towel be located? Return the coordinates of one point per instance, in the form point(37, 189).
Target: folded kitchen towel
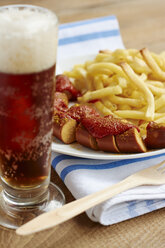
point(85, 176)
point(88, 37)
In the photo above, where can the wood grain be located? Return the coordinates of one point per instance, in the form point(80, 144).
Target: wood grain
point(142, 25)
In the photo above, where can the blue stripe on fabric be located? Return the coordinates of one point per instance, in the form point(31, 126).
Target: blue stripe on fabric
point(132, 209)
point(70, 168)
point(81, 23)
point(61, 157)
point(90, 36)
point(150, 205)
point(110, 165)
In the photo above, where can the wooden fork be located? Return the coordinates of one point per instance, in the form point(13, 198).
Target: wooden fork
point(154, 175)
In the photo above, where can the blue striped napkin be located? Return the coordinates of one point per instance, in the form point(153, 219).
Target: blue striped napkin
point(88, 37)
point(84, 176)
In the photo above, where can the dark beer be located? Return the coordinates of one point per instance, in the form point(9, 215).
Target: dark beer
point(28, 42)
point(26, 113)
point(28, 45)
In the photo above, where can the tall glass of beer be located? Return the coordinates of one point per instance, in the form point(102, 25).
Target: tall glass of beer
point(28, 44)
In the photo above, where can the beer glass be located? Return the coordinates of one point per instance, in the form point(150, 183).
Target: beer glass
point(28, 44)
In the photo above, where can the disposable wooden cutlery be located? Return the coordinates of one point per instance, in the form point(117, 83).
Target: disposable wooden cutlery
point(154, 175)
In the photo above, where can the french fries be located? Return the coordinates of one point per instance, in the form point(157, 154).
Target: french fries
point(142, 87)
point(98, 94)
point(126, 83)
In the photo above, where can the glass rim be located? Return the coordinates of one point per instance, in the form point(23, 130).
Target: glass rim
point(30, 6)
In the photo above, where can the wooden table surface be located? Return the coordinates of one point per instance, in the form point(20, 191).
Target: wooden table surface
point(142, 24)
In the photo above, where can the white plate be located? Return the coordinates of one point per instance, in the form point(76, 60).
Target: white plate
point(78, 150)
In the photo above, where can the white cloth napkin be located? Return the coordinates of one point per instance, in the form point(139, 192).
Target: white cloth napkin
point(85, 176)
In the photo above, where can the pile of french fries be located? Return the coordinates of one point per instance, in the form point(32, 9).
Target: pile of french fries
point(125, 83)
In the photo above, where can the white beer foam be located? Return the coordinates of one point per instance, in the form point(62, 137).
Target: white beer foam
point(28, 40)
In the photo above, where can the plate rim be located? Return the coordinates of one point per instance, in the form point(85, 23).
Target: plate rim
point(99, 155)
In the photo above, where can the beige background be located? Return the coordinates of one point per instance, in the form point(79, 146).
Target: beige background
point(142, 24)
